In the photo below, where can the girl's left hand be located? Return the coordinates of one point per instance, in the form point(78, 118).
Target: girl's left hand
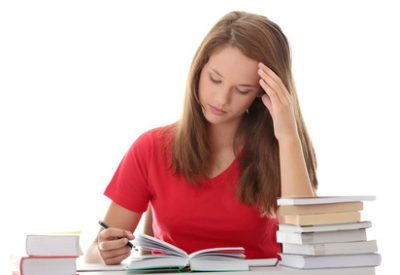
point(279, 103)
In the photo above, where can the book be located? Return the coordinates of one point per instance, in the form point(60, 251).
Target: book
point(320, 208)
point(322, 200)
point(333, 261)
point(47, 265)
point(166, 256)
point(316, 219)
point(331, 248)
point(52, 245)
point(321, 237)
point(324, 227)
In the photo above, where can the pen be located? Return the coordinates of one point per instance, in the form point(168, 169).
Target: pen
point(105, 226)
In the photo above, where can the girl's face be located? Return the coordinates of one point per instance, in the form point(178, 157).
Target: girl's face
point(228, 85)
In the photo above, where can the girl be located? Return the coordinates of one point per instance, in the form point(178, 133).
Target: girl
point(212, 178)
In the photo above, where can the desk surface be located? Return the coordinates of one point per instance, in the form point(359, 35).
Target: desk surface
point(281, 270)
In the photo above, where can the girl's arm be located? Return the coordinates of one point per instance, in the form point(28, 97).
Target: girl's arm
point(295, 181)
point(110, 245)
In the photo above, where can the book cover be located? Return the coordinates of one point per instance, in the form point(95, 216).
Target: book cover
point(169, 257)
point(317, 219)
point(331, 248)
point(321, 237)
point(322, 200)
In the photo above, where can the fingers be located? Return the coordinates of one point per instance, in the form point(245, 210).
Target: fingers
point(267, 102)
point(113, 233)
point(112, 245)
point(272, 84)
point(115, 256)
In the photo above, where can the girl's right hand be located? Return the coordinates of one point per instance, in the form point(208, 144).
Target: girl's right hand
point(112, 245)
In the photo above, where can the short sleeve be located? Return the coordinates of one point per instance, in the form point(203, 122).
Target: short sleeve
point(129, 187)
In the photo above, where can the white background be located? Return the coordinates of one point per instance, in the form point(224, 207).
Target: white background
point(80, 80)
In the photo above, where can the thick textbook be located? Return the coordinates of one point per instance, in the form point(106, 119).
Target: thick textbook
point(52, 245)
point(322, 200)
point(165, 256)
point(47, 265)
point(331, 248)
point(320, 208)
point(357, 235)
point(334, 261)
point(316, 219)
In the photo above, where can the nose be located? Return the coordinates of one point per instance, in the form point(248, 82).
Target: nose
point(222, 96)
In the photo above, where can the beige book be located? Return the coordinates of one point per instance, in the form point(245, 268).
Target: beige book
point(320, 208)
point(315, 219)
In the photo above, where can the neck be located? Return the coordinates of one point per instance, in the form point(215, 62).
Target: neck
point(222, 136)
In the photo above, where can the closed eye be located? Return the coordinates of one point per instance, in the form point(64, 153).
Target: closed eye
point(243, 92)
point(214, 80)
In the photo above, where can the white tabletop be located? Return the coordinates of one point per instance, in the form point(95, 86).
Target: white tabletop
point(281, 270)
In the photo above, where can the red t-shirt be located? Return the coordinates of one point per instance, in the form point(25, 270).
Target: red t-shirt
point(188, 216)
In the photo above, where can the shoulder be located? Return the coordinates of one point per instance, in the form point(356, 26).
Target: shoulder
point(159, 134)
point(155, 139)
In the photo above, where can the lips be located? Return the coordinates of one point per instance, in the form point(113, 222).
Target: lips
point(217, 111)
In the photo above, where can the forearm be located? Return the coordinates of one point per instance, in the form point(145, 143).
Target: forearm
point(295, 181)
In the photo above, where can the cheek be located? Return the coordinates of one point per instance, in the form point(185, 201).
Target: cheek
point(244, 103)
point(203, 88)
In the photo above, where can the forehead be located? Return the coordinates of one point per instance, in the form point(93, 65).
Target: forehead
point(232, 64)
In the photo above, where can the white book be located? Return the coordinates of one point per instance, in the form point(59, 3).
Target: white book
point(331, 248)
point(322, 200)
point(52, 245)
point(166, 256)
point(324, 227)
point(321, 237)
point(304, 262)
point(283, 270)
point(47, 266)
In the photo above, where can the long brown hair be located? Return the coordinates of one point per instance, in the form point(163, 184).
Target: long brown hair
point(260, 182)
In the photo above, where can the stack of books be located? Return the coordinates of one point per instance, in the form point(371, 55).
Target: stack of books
point(325, 232)
point(50, 254)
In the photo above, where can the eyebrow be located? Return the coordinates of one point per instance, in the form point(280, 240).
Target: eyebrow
point(242, 85)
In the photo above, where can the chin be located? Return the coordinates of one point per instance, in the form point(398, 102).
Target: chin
point(219, 120)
